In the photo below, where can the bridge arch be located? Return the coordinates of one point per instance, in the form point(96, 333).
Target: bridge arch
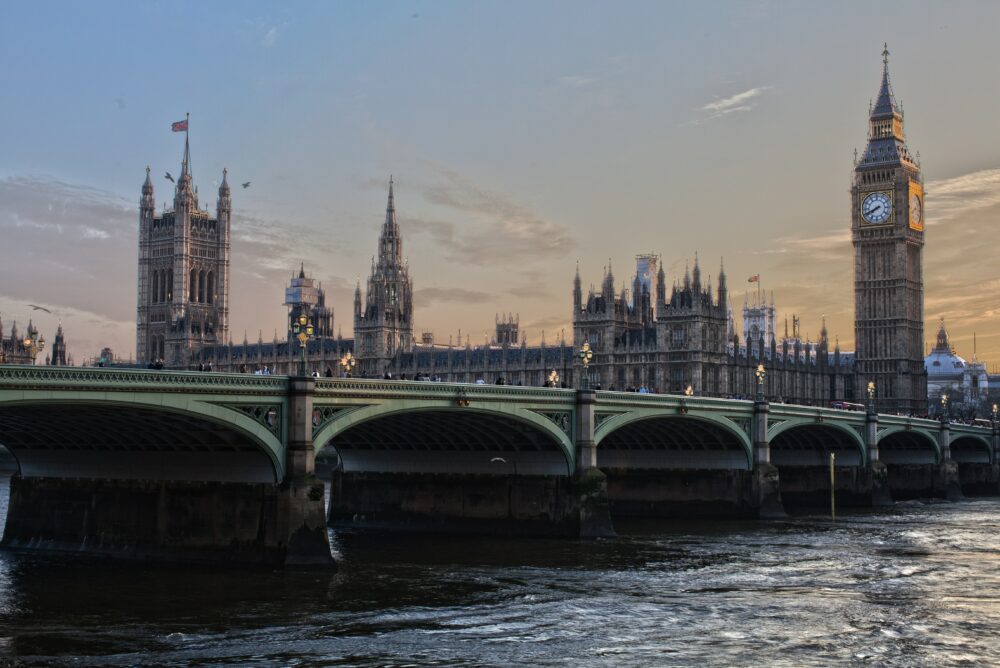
point(151, 437)
point(449, 439)
point(654, 439)
point(802, 442)
point(899, 445)
point(970, 449)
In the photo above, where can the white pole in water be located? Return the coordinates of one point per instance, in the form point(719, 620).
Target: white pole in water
point(833, 489)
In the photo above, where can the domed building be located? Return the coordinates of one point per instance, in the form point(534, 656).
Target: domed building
point(965, 383)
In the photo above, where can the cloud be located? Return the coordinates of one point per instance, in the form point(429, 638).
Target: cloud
point(949, 199)
point(738, 103)
point(507, 231)
point(269, 38)
point(530, 292)
point(428, 296)
point(550, 324)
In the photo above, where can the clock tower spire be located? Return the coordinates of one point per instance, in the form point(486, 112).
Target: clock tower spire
point(887, 230)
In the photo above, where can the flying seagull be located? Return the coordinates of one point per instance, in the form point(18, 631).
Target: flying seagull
point(246, 185)
point(39, 308)
point(169, 178)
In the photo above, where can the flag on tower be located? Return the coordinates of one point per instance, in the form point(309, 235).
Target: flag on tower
point(754, 279)
point(179, 126)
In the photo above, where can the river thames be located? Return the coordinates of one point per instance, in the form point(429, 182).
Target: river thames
point(914, 585)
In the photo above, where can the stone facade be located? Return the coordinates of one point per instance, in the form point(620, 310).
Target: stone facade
point(183, 287)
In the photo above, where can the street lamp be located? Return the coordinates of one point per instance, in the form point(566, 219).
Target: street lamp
point(348, 363)
point(34, 345)
point(302, 328)
point(553, 379)
point(761, 374)
point(689, 391)
point(586, 354)
point(944, 407)
point(871, 396)
point(996, 410)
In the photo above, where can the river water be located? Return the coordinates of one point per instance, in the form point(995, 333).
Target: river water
point(914, 585)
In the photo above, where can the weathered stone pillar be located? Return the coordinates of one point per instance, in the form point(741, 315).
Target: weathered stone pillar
point(586, 449)
point(948, 483)
point(995, 440)
point(590, 483)
point(761, 445)
point(300, 461)
point(301, 517)
point(766, 483)
point(877, 472)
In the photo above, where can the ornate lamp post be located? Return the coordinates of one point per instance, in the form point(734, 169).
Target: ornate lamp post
point(689, 391)
point(302, 328)
point(34, 345)
point(553, 379)
point(871, 397)
point(944, 408)
point(586, 354)
point(996, 410)
point(761, 374)
point(348, 362)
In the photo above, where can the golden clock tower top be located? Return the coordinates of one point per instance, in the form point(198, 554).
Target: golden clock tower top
point(886, 138)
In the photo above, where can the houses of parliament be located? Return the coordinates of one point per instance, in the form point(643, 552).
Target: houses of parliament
point(643, 336)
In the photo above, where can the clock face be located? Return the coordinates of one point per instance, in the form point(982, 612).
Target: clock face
point(875, 208)
point(916, 210)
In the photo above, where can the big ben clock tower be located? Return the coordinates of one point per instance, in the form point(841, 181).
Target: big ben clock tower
point(887, 229)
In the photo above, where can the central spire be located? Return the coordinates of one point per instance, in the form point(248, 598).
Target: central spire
point(885, 103)
point(390, 244)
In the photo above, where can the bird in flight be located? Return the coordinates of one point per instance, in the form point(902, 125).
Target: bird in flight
point(169, 178)
point(39, 308)
point(246, 185)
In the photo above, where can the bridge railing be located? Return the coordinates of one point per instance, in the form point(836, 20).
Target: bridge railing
point(55, 377)
point(436, 389)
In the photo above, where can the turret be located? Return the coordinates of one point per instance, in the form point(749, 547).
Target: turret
point(147, 203)
point(661, 290)
point(723, 290)
point(608, 289)
point(357, 300)
point(696, 276)
point(225, 202)
point(577, 291)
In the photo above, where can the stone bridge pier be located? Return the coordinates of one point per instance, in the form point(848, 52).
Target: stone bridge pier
point(477, 459)
point(175, 467)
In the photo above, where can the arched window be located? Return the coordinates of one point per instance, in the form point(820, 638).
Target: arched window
point(155, 292)
point(193, 286)
point(170, 286)
point(210, 297)
point(201, 287)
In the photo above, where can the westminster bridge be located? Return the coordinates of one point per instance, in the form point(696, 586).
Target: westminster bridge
point(193, 466)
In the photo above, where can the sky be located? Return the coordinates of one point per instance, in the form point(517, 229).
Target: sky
point(523, 137)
